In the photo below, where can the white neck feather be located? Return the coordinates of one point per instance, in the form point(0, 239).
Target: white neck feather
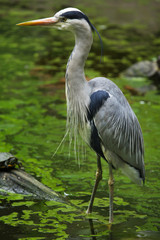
point(77, 89)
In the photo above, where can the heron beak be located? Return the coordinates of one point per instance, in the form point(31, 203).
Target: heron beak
point(40, 22)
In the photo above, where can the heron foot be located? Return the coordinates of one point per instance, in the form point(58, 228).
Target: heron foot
point(109, 226)
point(111, 190)
point(88, 211)
point(98, 179)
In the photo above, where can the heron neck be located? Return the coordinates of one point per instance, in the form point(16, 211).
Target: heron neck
point(77, 88)
point(75, 66)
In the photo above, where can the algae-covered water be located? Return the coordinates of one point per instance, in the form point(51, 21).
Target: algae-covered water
point(32, 124)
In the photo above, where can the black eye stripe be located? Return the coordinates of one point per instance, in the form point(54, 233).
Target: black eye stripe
point(80, 15)
point(77, 15)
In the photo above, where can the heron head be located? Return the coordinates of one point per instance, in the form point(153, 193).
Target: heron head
point(68, 18)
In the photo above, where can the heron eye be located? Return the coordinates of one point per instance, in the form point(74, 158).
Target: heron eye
point(63, 19)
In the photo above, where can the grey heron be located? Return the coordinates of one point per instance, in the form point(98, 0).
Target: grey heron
point(97, 109)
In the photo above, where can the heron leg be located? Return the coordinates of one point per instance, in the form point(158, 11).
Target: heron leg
point(111, 189)
point(98, 179)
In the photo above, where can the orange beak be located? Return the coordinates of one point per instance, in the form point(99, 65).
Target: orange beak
point(40, 22)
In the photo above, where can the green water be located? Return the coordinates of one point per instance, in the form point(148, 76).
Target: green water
point(32, 124)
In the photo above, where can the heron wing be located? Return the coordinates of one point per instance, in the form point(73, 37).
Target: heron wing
point(119, 129)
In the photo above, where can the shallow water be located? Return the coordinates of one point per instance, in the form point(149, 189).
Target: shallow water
point(32, 124)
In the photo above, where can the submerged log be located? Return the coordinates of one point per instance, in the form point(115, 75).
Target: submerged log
point(18, 181)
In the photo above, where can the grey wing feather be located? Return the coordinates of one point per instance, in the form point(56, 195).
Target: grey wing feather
point(119, 128)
